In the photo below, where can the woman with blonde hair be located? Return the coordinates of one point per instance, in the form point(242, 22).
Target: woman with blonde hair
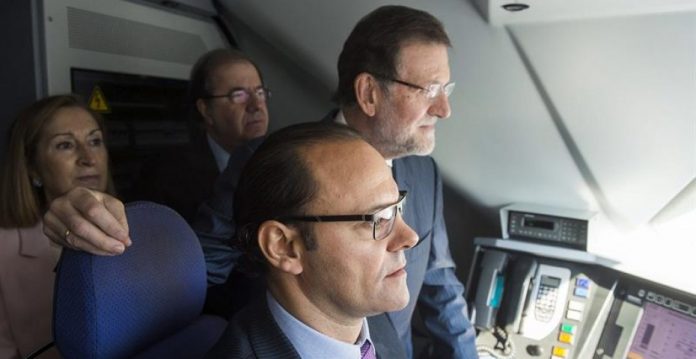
point(55, 144)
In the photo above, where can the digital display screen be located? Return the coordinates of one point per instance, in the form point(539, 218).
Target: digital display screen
point(550, 281)
point(664, 333)
point(539, 223)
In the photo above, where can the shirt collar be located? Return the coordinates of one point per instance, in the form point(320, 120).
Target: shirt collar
point(221, 156)
point(310, 343)
point(340, 118)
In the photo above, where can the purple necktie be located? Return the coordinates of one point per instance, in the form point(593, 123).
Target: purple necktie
point(366, 351)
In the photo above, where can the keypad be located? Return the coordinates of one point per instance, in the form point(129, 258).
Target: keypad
point(545, 303)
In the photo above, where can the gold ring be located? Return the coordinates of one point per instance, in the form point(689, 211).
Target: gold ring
point(66, 234)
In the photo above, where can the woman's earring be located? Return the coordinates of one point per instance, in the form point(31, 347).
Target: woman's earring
point(36, 182)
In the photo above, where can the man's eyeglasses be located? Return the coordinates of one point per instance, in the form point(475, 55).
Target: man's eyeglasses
point(382, 221)
point(430, 91)
point(241, 95)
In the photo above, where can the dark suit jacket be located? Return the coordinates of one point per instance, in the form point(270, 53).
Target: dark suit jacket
point(181, 179)
point(253, 333)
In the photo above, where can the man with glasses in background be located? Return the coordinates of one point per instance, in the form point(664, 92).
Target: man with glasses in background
point(394, 83)
point(227, 91)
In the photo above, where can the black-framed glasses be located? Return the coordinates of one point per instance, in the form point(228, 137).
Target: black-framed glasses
point(382, 220)
point(242, 95)
point(430, 91)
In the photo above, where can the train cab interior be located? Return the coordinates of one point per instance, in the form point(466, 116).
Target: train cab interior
point(569, 159)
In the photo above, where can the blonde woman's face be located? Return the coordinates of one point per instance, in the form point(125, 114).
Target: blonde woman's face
point(71, 153)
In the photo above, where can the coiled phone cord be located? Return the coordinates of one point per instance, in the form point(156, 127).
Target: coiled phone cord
point(504, 349)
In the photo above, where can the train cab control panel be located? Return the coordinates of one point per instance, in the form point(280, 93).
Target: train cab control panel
point(531, 300)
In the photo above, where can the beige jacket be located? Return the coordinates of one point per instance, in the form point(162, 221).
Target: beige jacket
point(27, 261)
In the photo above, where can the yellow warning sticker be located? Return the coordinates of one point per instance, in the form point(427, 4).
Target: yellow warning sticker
point(97, 102)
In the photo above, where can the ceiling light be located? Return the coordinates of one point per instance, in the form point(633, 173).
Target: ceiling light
point(512, 7)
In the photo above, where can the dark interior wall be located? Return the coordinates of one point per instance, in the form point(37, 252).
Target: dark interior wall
point(17, 70)
point(466, 220)
point(298, 95)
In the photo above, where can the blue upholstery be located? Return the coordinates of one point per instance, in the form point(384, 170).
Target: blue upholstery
point(145, 302)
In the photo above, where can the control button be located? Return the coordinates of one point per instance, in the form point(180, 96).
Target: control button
point(560, 352)
point(574, 315)
point(581, 292)
point(566, 338)
point(682, 307)
point(568, 328)
point(582, 282)
point(575, 305)
point(641, 293)
point(535, 350)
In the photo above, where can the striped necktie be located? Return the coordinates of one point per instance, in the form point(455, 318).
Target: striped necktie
point(366, 351)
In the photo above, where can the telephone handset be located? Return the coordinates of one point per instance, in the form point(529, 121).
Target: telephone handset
point(490, 289)
point(543, 308)
point(520, 295)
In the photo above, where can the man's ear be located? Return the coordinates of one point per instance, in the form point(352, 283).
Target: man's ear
point(366, 89)
point(281, 245)
point(202, 108)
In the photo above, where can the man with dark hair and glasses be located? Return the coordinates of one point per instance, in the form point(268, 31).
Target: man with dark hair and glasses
point(318, 210)
point(228, 99)
point(394, 84)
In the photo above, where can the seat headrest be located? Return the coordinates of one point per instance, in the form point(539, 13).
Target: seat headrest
point(114, 307)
